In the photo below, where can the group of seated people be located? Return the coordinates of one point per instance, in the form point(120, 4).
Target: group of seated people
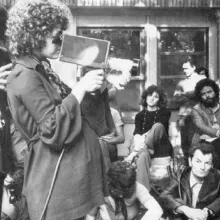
point(68, 133)
point(193, 192)
point(71, 168)
point(129, 181)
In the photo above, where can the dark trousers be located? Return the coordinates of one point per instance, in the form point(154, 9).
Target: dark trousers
point(157, 139)
point(186, 133)
point(113, 152)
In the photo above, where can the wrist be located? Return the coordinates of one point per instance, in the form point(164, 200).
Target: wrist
point(78, 91)
point(82, 85)
point(182, 209)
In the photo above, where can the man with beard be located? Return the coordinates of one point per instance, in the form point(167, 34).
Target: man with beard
point(206, 115)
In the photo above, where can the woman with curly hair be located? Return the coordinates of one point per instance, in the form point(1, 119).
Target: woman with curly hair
point(63, 169)
point(128, 200)
point(151, 132)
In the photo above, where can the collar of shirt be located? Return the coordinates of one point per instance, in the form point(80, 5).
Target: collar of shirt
point(30, 62)
point(193, 181)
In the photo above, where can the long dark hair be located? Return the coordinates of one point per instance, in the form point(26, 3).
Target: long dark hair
point(149, 91)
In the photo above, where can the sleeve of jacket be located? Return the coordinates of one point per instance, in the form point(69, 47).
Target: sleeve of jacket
point(201, 125)
point(170, 198)
point(215, 207)
point(58, 125)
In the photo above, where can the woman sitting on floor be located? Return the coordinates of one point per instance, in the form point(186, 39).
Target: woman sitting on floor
point(151, 133)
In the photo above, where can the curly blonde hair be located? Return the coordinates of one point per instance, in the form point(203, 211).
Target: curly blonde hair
point(31, 21)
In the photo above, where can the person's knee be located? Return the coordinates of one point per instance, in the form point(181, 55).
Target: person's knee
point(158, 130)
point(143, 154)
point(158, 127)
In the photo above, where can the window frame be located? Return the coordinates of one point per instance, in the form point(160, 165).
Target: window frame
point(129, 116)
point(204, 53)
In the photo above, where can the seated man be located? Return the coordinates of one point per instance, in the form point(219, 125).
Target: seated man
point(195, 192)
point(206, 115)
point(128, 199)
point(184, 96)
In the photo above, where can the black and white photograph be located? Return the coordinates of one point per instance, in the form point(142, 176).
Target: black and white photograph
point(109, 109)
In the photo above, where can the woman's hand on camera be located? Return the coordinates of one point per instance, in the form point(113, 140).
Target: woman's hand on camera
point(93, 80)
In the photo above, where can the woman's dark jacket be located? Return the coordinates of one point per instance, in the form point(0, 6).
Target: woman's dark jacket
point(49, 123)
point(179, 193)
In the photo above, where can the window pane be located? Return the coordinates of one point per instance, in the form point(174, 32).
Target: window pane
point(182, 40)
point(176, 45)
point(125, 43)
point(171, 65)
